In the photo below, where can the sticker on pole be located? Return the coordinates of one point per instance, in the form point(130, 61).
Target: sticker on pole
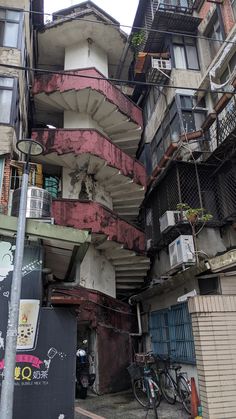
point(28, 323)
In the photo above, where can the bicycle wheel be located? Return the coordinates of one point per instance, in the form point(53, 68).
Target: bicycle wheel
point(184, 393)
point(140, 393)
point(167, 388)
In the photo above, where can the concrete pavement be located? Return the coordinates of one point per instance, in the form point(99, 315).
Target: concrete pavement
point(123, 406)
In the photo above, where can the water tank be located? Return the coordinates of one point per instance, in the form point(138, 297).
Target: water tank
point(39, 203)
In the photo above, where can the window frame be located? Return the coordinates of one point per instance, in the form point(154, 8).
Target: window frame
point(174, 110)
point(15, 94)
point(20, 26)
point(171, 333)
point(192, 111)
point(184, 44)
point(215, 46)
point(233, 5)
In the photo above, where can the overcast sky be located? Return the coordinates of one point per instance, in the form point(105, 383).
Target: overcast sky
point(122, 10)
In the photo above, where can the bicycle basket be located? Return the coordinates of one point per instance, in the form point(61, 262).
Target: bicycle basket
point(134, 371)
point(162, 362)
point(141, 358)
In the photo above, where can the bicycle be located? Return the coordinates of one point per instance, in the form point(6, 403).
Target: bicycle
point(144, 382)
point(171, 387)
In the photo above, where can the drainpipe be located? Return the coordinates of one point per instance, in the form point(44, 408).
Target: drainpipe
point(140, 332)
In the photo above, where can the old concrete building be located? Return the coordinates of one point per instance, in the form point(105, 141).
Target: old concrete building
point(91, 246)
point(188, 50)
point(91, 131)
point(16, 49)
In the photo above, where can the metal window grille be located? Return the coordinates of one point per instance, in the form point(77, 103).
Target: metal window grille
point(171, 333)
point(183, 183)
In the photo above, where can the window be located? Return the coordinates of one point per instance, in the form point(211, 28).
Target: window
point(209, 285)
point(171, 126)
point(9, 27)
point(193, 117)
point(171, 333)
point(185, 53)
point(233, 3)
point(6, 93)
point(216, 34)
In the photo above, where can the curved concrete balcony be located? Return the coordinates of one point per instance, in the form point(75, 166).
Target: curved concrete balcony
point(120, 242)
point(104, 224)
point(123, 178)
point(84, 93)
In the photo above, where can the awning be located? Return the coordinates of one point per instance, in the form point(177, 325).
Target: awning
point(64, 246)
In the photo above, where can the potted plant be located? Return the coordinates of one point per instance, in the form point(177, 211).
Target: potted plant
point(194, 216)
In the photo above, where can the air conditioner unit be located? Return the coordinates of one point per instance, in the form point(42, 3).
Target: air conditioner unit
point(149, 244)
point(181, 251)
point(169, 219)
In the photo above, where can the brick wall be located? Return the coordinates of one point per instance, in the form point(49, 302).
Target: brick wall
point(208, 9)
point(6, 184)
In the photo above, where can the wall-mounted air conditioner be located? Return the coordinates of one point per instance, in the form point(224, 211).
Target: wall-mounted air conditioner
point(169, 219)
point(181, 251)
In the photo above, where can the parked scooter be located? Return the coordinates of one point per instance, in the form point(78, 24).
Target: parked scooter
point(83, 378)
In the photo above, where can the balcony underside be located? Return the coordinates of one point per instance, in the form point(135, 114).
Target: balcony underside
point(61, 245)
point(120, 242)
point(118, 117)
point(130, 267)
point(167, 21)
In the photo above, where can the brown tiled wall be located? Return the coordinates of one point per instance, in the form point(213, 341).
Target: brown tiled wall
point(6, 184)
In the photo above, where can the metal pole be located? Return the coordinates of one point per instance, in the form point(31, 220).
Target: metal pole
point(6, 406)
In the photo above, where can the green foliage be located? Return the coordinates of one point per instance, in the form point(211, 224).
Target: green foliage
point(194, 215)
point(137, 39)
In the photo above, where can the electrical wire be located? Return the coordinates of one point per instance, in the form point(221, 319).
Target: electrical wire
point(140, 28)
point(112, 80)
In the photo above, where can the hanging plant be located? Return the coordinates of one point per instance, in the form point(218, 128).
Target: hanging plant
point(194, 216)
point(137, 39)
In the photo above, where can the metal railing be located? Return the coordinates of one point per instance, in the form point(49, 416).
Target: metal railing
point(177, 6)
point(224, 126)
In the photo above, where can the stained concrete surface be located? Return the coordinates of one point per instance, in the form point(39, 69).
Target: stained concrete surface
point(124, 406)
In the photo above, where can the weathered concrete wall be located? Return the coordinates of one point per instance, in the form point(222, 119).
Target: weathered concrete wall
point(114, 351)
point(77, 184)
point(81, 121)
point(169, 297)
point(97, 273)
point(185, 78)
point(13, 56)
point(112, 321)
point(214, 325)
point(19, 4)
point(8, 139)
point(84, 55)
point(209, 242)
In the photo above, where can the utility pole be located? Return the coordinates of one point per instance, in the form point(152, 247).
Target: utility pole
point(29, 148)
